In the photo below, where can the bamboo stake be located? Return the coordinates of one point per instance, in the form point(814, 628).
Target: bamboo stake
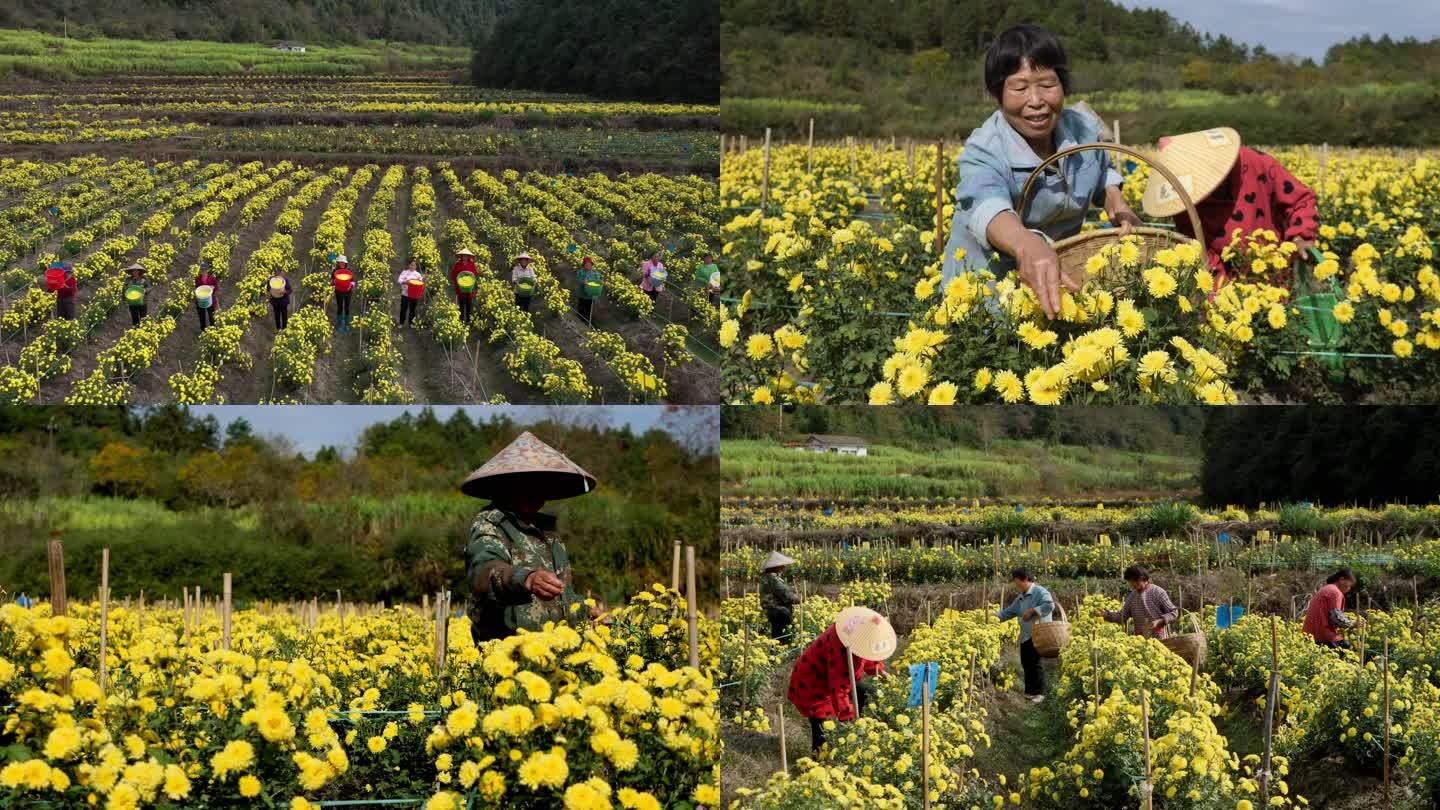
point(939, 198)
point(690, 599)
point(810, 149)
point(1387, 721)
point(854, 690)
point(784, 762)
point(225, 633)
point(1271, 697)
point(1147, 788)
point(675, 569)
point(185, 615)
point(745, 670)
point(765, 179)
point(58, 601)
point(924, 735)
point(104, 611)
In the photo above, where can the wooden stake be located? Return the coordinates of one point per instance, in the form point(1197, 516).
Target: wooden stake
point(745, 671)
point(1324, 164)
point(1387, 721)
point(691, 597)
point(675, 569)
point(1147, 788)
point(1117, 132)
point(765, 178)
point(104, 611)
point(59, 605)
point(939, 199)
point(924, 736)
point(784, 762)
point(810, 149)
point(1271, 697)
point(185, 615)
point(225, 632)
point(854, 690)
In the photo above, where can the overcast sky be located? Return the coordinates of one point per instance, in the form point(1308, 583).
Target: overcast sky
point(1303, 27)
point(310, 427)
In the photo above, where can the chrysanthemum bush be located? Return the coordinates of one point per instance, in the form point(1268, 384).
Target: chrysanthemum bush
point(350, 710)
point(824, 304)
point(1191, 765)
point(1331, 704)
point(883, 749)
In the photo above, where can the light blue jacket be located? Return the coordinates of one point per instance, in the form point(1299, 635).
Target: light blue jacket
point(993, 169)
point(1037, 597)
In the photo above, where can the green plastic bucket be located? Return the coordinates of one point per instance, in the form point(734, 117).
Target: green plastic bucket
point(1321, 330)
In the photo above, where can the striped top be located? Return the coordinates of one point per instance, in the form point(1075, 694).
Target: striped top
point(1145, 607)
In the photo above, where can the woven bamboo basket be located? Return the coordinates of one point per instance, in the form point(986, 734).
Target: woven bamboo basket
point(1074, 251)
point(1190, 646)
point(1051, 637)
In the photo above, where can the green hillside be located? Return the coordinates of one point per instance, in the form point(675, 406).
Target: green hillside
point(913, 68)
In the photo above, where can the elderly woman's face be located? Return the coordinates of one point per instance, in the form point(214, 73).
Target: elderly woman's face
point(1032, 101)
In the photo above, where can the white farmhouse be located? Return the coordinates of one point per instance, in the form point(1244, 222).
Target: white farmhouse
point(828, 443)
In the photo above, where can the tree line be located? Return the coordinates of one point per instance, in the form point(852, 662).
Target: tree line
point(181, 498)
point(1325, 455)
point(661, 50)
point(1160, 429)
point(437, 22)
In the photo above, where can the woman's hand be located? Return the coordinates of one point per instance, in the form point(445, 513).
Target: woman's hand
point(1040, 271)
point(1125, 219)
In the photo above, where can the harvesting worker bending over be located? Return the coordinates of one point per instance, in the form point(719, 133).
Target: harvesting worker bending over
point(1028, 76)
point(858, 642)
point(1147, 603)
point(517, 569)
point(1234, 187)
point(1326, 615)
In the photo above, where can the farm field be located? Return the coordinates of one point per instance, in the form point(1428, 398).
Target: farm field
point(302, 705)
point(989, 748)
point(353, 118)
point(260, 217)
point(856, 222)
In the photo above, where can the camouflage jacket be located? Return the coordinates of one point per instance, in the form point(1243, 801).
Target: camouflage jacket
point(774, 593)
point(502, 551)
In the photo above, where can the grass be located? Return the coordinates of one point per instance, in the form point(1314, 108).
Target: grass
point(39, 55)
point(1005, 468)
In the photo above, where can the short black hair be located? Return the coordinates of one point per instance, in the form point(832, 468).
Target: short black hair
point(1137, 573)
point(1343, 573)
point(1022, 573)
point(1021, 44)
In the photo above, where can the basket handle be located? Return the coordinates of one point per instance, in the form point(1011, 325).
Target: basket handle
point(1060, 606)
point(1153, 164)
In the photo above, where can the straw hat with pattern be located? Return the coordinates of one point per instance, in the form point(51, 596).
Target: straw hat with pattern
point(865, 633)
point(775, 560)
point(529, 465)
point(1199, 160)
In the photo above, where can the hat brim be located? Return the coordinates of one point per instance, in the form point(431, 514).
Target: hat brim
point(871, 641)
point(1199, 172)
point(552, 485)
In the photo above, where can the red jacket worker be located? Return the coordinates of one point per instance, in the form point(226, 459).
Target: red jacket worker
point(1232, 186)
point(1326, 613)
point(465, 299)
point(820, 681)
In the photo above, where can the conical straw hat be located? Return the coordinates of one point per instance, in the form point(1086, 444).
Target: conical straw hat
point(865, 633)
point(529, 465)
point(776, 559)
point(464, 252)
point(1199, 160)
